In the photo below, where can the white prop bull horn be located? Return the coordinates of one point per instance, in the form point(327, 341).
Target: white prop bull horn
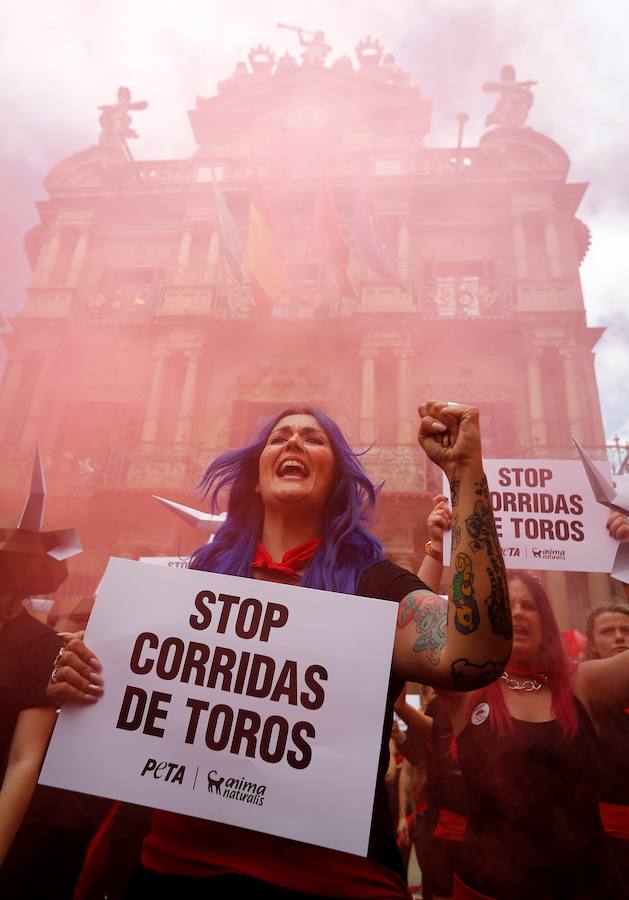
point(203, 521)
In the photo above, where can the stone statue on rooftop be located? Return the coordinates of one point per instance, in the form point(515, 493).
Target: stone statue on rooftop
point(316, 47)
point(514, 102)
point(369, 52)
point(115, 120)
point(261, 60)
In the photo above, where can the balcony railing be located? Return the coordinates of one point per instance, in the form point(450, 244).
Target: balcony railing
point(401, 467)
point(466, 298)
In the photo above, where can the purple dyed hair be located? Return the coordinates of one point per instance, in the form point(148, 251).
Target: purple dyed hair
point(346, 548)
point(552, 660)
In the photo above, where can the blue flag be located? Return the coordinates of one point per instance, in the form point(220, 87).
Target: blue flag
point(369, 247)
point(231, 242)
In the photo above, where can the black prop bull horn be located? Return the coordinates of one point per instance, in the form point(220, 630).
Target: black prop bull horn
point(33, 561)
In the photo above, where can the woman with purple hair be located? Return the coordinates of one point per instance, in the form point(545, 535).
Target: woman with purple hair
point(527, 750)
point(297, 502)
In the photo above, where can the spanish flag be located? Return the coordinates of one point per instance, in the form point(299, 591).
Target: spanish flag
point(267, 266)
point(331, 243)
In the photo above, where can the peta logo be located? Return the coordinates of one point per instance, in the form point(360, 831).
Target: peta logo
point(168, 771)
point(511, 551)
point(236, 788)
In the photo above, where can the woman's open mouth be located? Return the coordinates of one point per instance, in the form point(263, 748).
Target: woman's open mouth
point(292, 468)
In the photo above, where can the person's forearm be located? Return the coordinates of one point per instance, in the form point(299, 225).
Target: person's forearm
point(479, 631)
point(431, 569)
point(17, 789)
point(405, 784)
point(417, 720)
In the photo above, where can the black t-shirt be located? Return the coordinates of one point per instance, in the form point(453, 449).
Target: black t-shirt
point(27, 652)
point(446, 788)
point(614, 749)
point(533, 827)
point(386, 581)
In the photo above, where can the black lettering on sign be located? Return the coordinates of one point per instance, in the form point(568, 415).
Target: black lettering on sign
point(134, 703)
point(202, 604)
point(147, 638)
point(275, 616)
point(298, 731)
point(312, 676)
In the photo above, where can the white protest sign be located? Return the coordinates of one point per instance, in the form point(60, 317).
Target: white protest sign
point(547, 516)
point(242, 701)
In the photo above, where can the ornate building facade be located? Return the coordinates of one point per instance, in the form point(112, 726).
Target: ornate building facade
point(137, 357)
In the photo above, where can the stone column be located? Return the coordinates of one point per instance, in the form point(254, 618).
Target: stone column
point(47, 258)
point(34, 425)
point(519, 249)
point(9, 388)
point(78, 258)
point(539, 425)
point(368, 396)
point(599, 591)
point(183, 430)
point(404, 410)
point(572, 383)
point(403, 242)
point(151, 421)
point(553, 250)
point(183, 257)
point(211, 263)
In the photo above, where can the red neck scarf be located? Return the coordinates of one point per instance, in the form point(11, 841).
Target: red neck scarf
point(526, 671)
point(291, 563)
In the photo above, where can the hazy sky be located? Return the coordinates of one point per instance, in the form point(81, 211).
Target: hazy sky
point(61, 59)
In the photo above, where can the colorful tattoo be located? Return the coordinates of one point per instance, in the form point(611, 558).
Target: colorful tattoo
point(466, 615)
point(430, 617)
point(468, 676)
point(430, 622)
point(406, 611)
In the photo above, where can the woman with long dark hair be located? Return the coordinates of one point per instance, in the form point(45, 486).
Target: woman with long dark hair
point(297, 503)
point(527, 749)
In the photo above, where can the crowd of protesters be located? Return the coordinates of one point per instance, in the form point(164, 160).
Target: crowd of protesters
point(521, 778)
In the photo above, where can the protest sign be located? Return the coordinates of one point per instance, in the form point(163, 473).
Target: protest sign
point(546, 516)
point(177, 562)
point(246, 702)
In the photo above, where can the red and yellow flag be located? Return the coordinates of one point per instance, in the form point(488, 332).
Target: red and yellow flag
point(267, 265)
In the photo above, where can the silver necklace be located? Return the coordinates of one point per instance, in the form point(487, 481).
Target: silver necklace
point(529, 684)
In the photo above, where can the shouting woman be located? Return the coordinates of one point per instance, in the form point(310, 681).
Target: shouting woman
point(297, 502)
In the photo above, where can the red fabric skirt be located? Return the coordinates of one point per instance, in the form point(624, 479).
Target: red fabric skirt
point(615, 820)
point(194, 848)
point(450, 826)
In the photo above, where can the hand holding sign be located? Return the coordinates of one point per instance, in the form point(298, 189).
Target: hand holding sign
point(75, 675)
point(618, 526)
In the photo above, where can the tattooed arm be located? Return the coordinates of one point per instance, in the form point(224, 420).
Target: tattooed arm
point(468, 644)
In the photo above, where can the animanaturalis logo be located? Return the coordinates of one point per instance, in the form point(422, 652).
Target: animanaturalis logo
point(235, 788)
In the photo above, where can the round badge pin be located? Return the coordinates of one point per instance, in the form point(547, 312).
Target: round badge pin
point(480, 714)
